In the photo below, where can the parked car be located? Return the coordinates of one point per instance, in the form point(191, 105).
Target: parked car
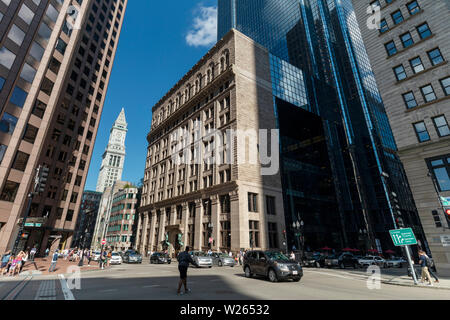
point(372, 261)
point(202, 259)
point(222, 259)
point(272, 264)
point(96, 255)
point(342, 261)
point(316, 260)
point(115, 258)
point(131, 256)
point(160, 257)
point(396, 262)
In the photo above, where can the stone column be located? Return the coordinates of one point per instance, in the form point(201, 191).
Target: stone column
point(215, 220)
point(173, 215)
point(184, 222)
point(162, 229)
point(239, 230)
point(139, 245)
point(151, 239)
point(144, 232)
point(198, 238)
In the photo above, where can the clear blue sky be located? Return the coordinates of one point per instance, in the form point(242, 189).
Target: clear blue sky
point(160, 42)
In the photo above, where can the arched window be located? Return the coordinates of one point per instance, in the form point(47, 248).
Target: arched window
point(208, 76)
point(200, 81)
point(189, 91)
point(197, 86)
point(186, 95)
point(178, 99)
point(222, 64)
point(212, 66)
point(226, 54)
point(170, 106)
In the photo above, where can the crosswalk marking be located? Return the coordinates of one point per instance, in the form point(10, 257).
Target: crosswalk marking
point(46, 291)
point(65, 289)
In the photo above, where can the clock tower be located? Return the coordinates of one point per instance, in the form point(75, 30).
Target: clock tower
point(114, 155)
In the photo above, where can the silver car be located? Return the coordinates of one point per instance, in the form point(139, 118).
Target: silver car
point(202, 259)
point(222, 259)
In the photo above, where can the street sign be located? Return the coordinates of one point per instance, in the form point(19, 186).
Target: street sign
point(103, 241)
point(445, 202)
point(403, 237)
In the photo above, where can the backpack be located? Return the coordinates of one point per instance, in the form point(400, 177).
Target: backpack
point(428, 262)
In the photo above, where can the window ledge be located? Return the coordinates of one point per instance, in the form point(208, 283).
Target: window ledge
point(411, 46)
point(401, 23)
point(427, 104)
point(421, 72)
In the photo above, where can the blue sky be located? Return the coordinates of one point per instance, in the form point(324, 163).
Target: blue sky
point(160, 42)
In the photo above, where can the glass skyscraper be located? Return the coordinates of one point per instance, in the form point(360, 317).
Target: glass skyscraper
point(340, 172)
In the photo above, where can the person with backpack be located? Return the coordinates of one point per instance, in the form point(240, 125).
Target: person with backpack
point(5, 262)
point(54, 260)
point(424, 263)
point(430, 265)
point(32, 253)
point(184, 259)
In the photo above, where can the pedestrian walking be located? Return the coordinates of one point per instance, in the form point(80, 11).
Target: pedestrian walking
point(5, 262)
point(32, 253)
point(24, 260)
point(424, 264)
point(53, 263)
point(108, 258)
point(230, 254)
point(292, 256)
point(430, 268)
point(184, 259)
point(89, 257)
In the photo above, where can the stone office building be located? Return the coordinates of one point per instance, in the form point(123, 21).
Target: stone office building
point(409, 57)
point(56, 58)
point(222, 205)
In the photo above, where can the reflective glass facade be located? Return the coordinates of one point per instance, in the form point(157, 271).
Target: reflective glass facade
point(331, 165)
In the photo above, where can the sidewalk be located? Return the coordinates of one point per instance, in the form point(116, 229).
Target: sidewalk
point(444, 283)
point(42, 265)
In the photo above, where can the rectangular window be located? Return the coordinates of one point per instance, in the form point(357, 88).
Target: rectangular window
point(407, 40)
point(424, 31)
point(421, 131)
point(253, 227)
point(413, 7)
point(416, 64)
point(8, 123)
point(399, 72)
point(18, 97)
point(225, 203)
point(428, 93)
point(270, 205)
point(441, 126)
point(440, 168)
point(445, 83)
point(384, 26)
point(391, 49)
point(273, 235)
point(7, 58)
point(30, 133)
point(20, 161)
point(9, 191)
point(435, 56)
point(2, 151)
point(410, 100)
point(397, 17)
point(252, 202)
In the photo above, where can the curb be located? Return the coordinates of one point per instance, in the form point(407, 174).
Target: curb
point(414, 286)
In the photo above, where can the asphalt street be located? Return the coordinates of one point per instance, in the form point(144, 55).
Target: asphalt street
point(159, 282)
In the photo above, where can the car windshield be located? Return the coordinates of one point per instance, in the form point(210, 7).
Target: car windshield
point(97, 252)
point(115, 254)
point(332, 257)
point(200, 254)
point(273, 255)
point(223, 255)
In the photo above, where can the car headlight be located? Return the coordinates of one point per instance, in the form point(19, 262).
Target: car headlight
point(283, 267)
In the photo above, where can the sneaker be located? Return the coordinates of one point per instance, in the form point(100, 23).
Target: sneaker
point(187, 291)
point(430, 284)
point(437, 281)
point(180, 293)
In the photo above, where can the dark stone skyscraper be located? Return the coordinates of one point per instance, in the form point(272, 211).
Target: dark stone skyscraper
point(340, 172)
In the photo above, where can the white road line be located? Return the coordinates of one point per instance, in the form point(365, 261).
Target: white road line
point(65, 289)
point(336, 275)
point(108, 290)
point(152, 286)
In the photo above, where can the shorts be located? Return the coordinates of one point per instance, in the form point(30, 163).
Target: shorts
point(4, 264)
point(183, 272)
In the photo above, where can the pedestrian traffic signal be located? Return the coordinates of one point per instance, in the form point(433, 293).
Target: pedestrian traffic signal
point(437, 218)
point(447, 215)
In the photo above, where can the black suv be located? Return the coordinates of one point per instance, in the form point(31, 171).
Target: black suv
point(342, 261)
point(272, 264)
point(160, 257)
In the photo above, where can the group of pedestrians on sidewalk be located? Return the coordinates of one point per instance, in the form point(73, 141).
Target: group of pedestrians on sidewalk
point(12, 265)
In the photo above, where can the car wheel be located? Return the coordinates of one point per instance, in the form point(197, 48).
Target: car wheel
point(210, 267)
point(296, 279)
point(355, 266)
point(272, 276)
point(248, 273)
point(317, 265)
point(385, 265)
point(219, 263)
point(400, 265)
point(342, 265)
point(169, 262)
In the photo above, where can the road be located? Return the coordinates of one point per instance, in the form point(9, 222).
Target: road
point(158, 282)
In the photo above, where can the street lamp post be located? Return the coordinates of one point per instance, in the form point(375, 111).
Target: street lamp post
point(299, 235)
point(210, 229)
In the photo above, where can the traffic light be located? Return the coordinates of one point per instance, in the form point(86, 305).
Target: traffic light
point(284, 234)
point(43, 176)
point(437, 218)
point(447, 215)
